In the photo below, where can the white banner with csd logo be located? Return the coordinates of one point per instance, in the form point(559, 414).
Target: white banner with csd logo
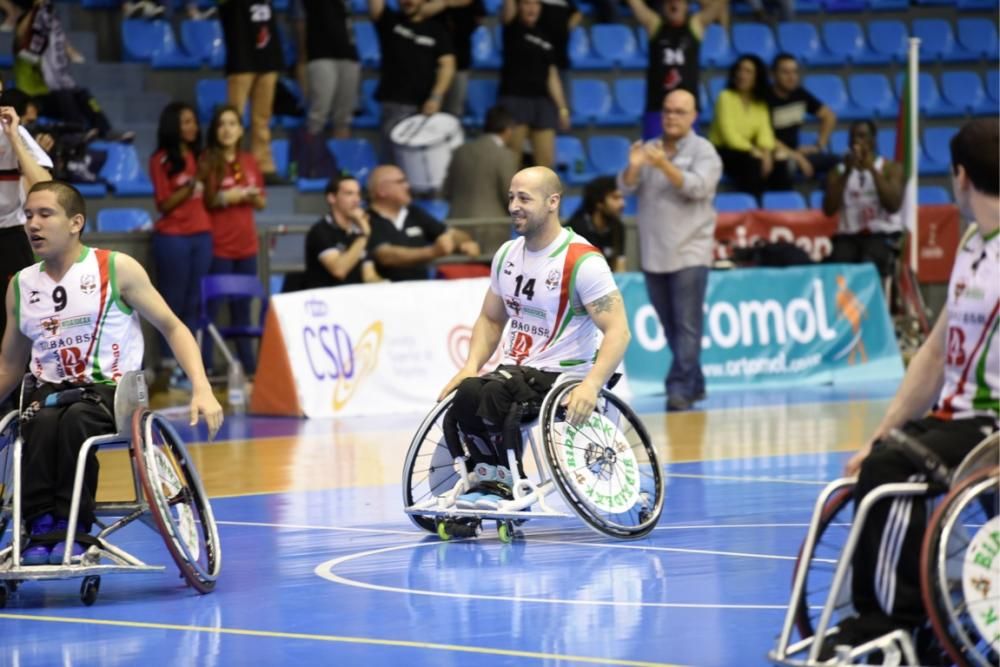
point(365, 349)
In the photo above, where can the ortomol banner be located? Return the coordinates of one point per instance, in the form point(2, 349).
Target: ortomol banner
point(816, 324)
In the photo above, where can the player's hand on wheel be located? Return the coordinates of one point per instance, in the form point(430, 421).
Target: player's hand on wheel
point(580, 403)
point(203, 402)
point(455, 381)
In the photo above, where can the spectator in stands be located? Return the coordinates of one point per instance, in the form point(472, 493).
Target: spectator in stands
point(10, 14)
point(406, 239)
point(789, 103)
point(234, 189)
point(461, 18)
point(337, 245)
point(153, 9)
point(674, 51)
point(676, 177)
point(866, 190)
point(25, 159)
point(762, 10)
point(182, 237)
point(741, 130)
point(599, 219)
point(557, 20)
point(479, 173)
point(333, 73)
point(42, 55)
point(530, 88)
point(418, 63)
point(253, 60)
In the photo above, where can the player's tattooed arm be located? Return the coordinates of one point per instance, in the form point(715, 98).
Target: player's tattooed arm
point(605, 304)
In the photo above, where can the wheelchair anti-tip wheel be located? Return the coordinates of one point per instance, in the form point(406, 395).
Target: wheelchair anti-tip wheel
point(429, 469)
point(177, 501)
point(606, 469)
point(834, 526)
point(958, 568)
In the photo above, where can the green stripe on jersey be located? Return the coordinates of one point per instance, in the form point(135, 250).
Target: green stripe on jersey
point(503, 255)
point(570, 311)
point(17, 299)
point(983, 398)
point(115, 294)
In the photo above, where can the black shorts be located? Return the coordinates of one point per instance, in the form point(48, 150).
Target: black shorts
point(538, 113)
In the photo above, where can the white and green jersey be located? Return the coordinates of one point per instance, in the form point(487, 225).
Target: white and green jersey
point(972, 357)
point(80, 328)
point(544, 293)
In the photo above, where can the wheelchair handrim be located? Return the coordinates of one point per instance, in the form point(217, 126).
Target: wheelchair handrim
point(413, 453)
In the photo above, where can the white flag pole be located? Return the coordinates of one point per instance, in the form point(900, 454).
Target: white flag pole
point(914, 141)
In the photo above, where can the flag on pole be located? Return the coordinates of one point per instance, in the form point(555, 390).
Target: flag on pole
point(907, 147)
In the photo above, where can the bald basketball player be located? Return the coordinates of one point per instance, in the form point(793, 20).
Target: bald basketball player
point(557, 291)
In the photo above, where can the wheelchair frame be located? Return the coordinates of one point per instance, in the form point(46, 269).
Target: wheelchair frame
point(449, 521)
point(895, 645)
point(134, 423)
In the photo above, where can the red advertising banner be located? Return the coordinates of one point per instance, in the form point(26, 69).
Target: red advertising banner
point(811, 230)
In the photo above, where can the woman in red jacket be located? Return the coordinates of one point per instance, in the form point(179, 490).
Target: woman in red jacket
point(234, 189)
point(182, 237)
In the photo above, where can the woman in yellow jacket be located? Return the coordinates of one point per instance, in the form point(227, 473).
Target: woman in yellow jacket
point(741, 130)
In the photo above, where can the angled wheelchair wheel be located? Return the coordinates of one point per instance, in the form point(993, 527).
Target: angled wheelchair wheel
point(960, 583)
point(8, 434)
point(177, 500)
point(428, 470)
point(835, 525)
point(606, 470)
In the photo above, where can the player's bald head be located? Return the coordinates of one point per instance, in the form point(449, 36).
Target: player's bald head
point(541, 180)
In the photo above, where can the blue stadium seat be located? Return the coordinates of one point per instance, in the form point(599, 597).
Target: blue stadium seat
point(788, 200)
point(279, 151)
point(800, 39)
point(715, 48)
point(734, 202)
point(978, 5)
point(630, 97)
point(123, 171)
point(706, 106)
point(964, 91)
point(978, 36)
point(123, 220)
point(92, 190)
point(203, 40)
point(582, 54)
point(838, 142)
point(816, 199)
point(873, 95)
point(208, 94)
point(930, 101)
point(933, 194)
point(369, 111)
point(885, 143)
point(937, 41)
point(936, 150)
point(366, 41)
point(569, 205)
point(715, 85)
point(830, 89)
point(615, 43)
point(479, 97)
point(589, 100)
point(359, 6)
point(756, 38)
point(887, 41)
point(571, 160)
point(850, 6)
point(609, 153)
point(889, 5)
point(845, 40)
point(485, 53)
point(438, 208)
point(993, 85)
point(153, 42)
point(356, 156)
point(934, 2)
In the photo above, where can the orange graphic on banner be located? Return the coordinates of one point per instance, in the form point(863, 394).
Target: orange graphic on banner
point(274, 387)
point(850, 308)
point(365, 361)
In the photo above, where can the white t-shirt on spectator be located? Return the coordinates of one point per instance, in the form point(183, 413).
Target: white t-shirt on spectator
point(12, 193)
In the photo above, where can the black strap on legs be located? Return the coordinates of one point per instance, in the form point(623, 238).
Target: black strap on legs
point(938, 473)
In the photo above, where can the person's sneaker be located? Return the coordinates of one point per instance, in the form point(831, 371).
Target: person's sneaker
point(38, 554)
point(678, 404)
point(467, 501)
point(493, 493)
point(56, 555)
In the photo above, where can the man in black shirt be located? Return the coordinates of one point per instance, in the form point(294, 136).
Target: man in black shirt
point(406, 239)
point(789, 103)
point(337, 245)
point(599, 219)
point(558, 19)
point(418, 63)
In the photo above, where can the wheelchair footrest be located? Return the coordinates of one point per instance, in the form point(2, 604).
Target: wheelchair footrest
point(39, 572)
point(485, 515)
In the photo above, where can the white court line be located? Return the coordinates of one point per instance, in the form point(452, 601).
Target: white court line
point(325, 571)
point(737, 478)
point(302, 526)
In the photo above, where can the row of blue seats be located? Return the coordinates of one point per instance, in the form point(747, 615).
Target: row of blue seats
point(616, 46)
point(792, 200)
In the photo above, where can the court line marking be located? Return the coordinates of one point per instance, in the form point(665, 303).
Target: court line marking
point(325, 571)
point(737, 478)
point(270, 634)
point(297, 526)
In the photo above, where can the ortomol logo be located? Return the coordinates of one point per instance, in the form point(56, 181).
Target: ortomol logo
point(749, 323)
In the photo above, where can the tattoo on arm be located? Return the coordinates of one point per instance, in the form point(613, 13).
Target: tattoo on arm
point(606, 303)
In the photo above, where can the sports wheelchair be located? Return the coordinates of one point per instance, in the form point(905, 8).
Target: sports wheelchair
point(169, 498)
point(957, 598)
point(606, 470)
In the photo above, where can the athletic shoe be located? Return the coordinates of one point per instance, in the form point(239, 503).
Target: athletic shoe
point(493, 493)
point(489, 501)
point(56, 556)
point(38, 554)
point(467, 501)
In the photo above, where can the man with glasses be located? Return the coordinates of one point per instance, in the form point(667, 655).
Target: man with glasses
point(675, 177)
point(405, 239)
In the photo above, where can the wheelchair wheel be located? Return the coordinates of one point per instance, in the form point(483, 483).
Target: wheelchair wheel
point(834, 526)
point(429, 467)
point(607, 469)
point(959, 579)
point(8, 434)
point(177, 501)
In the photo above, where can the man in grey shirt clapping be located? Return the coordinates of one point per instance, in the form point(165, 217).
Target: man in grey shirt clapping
point(676, 177)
